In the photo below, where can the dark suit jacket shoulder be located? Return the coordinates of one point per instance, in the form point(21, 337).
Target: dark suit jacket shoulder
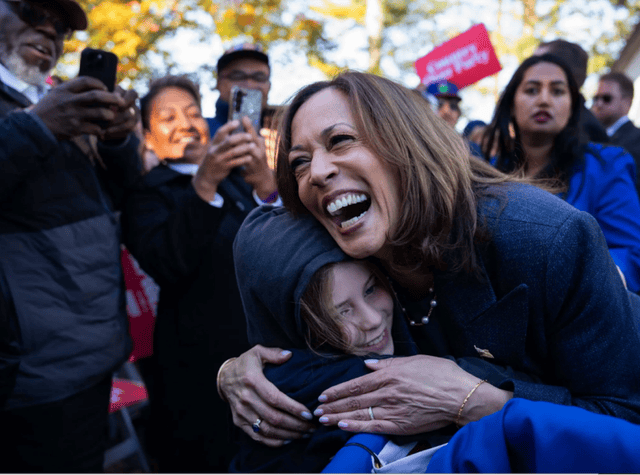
point(628, 137)
point(551, 304)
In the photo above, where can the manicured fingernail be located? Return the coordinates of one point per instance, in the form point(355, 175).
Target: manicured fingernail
point(286, 442)
point(318, 412)
point(343, 424)
point(322, 398)
point(324, 419)
point(285, 353)
point(307, 415)
point(371, 361)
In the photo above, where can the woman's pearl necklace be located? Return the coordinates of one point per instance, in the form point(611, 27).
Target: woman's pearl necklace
point(433, 304)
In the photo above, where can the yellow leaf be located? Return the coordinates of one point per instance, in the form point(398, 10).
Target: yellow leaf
point(245, 19)
point(126, 43)
point(327, 69)
point(353, 10)
point(111, 16)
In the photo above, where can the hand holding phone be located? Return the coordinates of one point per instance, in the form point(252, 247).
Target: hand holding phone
point(99, 64)
point(102, 65)
point(245, 103)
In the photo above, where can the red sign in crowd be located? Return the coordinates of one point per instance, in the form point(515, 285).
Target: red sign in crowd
point(142, 301)
point(463, 60)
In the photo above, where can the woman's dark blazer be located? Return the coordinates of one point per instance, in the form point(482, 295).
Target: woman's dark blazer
point(550, 303)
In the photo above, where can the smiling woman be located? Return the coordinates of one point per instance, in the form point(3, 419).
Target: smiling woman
point(536, 134)
point(172, 120)
point(483, 264)
point(182, 238)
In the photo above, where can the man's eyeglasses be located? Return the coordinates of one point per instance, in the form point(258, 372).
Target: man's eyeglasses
point(453, 104)
point(606, 98)
point(37, 16)
point(239, 76)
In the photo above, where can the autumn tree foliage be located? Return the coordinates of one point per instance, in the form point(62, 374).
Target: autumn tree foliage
point(130, 29)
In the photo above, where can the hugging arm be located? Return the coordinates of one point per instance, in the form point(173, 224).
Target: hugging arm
point(586, 311)
point(252, 396)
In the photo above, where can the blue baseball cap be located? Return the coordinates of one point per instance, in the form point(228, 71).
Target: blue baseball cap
point(443, 89)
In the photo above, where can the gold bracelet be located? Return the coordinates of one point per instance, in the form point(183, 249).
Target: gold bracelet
point(465, 401)
point(218, 377)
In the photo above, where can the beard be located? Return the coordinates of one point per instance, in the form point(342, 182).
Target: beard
point(10, 59)
point(19, 68)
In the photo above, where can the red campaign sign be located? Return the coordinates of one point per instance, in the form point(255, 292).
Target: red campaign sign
point(142, 300)
point(125, 393)
point(462, 60)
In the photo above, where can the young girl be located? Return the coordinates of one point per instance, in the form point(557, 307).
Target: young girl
point(330, 311)
point(349, 306)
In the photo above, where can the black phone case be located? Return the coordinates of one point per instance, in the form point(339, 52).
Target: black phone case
point(99, 64)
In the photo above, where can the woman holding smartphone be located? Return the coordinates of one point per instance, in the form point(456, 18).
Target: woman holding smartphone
point(180, 225)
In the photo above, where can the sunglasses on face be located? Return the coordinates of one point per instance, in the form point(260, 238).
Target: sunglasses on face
point(37, 16)
point(453, 104)
point(239, 76)
point(606, 98)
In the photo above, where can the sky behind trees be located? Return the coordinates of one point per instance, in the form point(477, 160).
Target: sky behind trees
point(308, 40)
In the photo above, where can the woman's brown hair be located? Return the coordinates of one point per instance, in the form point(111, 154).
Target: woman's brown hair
point(439, 181)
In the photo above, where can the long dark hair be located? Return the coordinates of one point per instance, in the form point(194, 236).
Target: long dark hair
point(440, 183)
point(504, 133)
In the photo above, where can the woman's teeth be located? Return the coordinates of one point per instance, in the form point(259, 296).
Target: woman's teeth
point(352, 221)
point(334, 207)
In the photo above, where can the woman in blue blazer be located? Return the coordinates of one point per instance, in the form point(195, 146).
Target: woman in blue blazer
point(535, 130)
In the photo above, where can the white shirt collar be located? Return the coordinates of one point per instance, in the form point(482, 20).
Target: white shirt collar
point(619, 123)
point(184, 168)
point(33, 93)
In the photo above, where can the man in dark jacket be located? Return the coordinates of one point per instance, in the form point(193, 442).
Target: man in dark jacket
point(611, 105)
point(576, 58)
point(63, 326)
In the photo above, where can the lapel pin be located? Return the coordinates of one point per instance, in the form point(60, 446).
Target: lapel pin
point(483, 353)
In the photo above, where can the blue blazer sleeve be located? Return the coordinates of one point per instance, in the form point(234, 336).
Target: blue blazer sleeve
point(538, 437)
point(603, 185)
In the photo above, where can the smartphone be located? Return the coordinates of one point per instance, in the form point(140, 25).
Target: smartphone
point(245, 102)
point(99, 64)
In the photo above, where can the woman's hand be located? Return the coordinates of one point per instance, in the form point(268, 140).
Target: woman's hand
point(257, 172)
point(227, 151)
point(408, 396)
point(252, 397)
